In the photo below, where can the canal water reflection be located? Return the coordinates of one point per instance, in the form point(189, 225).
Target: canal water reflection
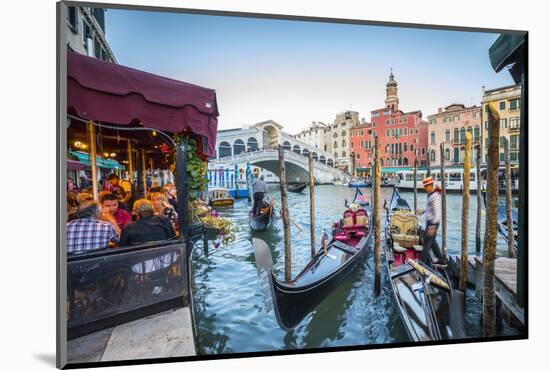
point(232, 311)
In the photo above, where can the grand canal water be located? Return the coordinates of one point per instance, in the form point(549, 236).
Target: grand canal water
point(233, 314)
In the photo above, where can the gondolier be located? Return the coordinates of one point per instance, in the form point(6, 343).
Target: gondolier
point(258, 189)
point(432, 214)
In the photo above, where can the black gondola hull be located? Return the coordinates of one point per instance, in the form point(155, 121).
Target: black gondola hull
point(294, 301)
point(296, 188)
point(262, 221)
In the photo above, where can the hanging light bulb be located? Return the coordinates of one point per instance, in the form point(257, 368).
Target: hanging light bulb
point(113, 155)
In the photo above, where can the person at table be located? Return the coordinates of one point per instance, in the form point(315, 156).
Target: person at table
point(162, 207)
point(169, 191)
point(122, 189)
point(87, 232)
point(148, 227)
point(110, 209)
point(258, 188)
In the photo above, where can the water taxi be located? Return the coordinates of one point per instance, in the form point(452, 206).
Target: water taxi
point(220, 197)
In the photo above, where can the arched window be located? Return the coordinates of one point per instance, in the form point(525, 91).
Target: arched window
point(456, 138)
point(456, 155)
point(335, 145)
point(286, 146)
point(462, 135)
point(343, 154)
point(400, 161)
point(400, 132)
point(462, 152)
point(447, 136)
point(224, 150)
point(330, 162)
point(335, 135)
point(296, 149)
point(238, 147)
point(406, 131)
point(447, 154)
point(405, 161)
point(471, 131)
point(315, 156)
point(388, 133)
point(387, 148)
point(432, 138)
point(252, 144)
point(476, 133)
point(322, 159)
point(343, 133)
point(305, 152)
point(343, 143)
point(432, 156)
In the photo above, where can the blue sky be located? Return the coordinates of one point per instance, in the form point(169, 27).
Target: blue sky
point(299, 72)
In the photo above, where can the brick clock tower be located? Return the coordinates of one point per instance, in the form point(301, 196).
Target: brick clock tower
point(392, 101)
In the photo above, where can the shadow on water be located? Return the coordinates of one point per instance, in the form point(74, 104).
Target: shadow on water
point(233, 313)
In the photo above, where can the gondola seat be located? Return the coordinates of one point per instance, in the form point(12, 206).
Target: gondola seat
point(361, 218)
point(404, 228)
point(348, 219)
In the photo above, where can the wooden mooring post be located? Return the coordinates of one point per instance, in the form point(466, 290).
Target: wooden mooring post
point(443, 202)
point(479, 200)
point(311, 205)
point(284, 214)
point(415, 191)
point(376, 215)
point(463, 281)
point(508, 192)
point(489, 248)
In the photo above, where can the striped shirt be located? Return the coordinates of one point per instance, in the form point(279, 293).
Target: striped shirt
point(88, 234)
point(433, 208)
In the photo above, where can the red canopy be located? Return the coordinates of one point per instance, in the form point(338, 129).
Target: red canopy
point(112, 93)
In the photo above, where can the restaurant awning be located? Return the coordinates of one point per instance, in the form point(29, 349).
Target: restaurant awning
point(84, 159)
point(508, 50)
point(115, 94)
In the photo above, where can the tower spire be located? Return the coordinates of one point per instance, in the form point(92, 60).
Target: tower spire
point(392, 101)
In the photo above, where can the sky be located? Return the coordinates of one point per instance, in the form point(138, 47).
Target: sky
point(298, 72)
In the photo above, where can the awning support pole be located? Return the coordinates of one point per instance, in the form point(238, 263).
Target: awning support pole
point(90, 130)
point(130, 162)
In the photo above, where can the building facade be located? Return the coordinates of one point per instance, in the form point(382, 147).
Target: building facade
point(402, 136)
point(449, 126)
point(314, 135)
point(86, 32)
point(507, 102)
point(361, 144)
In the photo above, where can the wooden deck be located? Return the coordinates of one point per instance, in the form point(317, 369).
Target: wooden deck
point(505, 283)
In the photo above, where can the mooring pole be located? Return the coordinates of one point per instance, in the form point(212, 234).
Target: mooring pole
point(311, 205)
point(443, 202)
point(414, 184)
point(465, 213)
point(90, 130)
point(376, 214)
point(508, 174)
point(479, 200)
point(489, 249)
point(284, 213)
point(429, 163)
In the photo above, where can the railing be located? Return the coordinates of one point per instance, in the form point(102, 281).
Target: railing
point(110, 287)
point(272, 153)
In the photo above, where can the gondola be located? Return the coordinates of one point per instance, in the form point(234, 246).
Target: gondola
point(359, 199)
point(346, 249)
point(263, 220)
point(296, 188)
point(502, 222)
point(429, 307)
point(359, 184)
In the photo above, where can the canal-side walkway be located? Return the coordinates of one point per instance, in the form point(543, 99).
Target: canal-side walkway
point(167, 334)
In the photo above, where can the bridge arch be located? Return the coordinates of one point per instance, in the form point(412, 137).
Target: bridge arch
point(315, 156)
point(296, 149)
point(224, 150)
point(305, 152)
point(330, 162)
point(238, 147)
point(322, 159)
point(286, 145)
point(252, 144)
point(270, 136)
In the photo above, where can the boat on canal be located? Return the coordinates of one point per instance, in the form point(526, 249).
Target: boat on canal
point(359, 198)
point(265, 217)
point(296, 188)
point(429, 307)
point(359, 184)
point(347, 248)
point(220, 197)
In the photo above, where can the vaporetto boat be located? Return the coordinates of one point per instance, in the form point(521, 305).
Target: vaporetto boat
point(453, 175)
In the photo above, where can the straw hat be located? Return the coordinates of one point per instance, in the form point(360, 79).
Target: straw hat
point(427, 181)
